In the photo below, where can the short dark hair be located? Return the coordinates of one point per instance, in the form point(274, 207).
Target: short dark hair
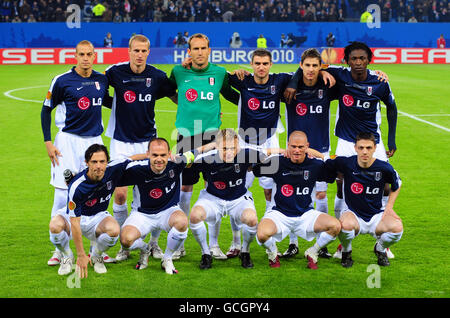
point(365, 136)
point(311, 53)
point(357, 46)
point(158, 140)
point(93, 149)
point(197, 36)
point(261, 52)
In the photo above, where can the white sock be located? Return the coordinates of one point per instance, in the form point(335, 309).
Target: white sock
point(268, 205)
point(293, 239)
point(236, 233)
point(185, 201)
point(139, 244)
point(59, 200)
point(248, 235)
point(269, 244)
point(324, 239)
point(199, 231)
point(387, 239)
point(322, 205)
point(214, 230)
point(61, 241)
point(384, 201)
point(155, 236)
point(339, 206)
point(174, 240)
point(346, 238)
point(120, 213)
point(103, 243)
point(249, 177)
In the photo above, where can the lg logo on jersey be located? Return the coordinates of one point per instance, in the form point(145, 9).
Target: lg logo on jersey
point(358, 188)
point(349, 101)
point(287, 190)
point(301, 109)
point(157, 193)
point(221, 185)
point(192, 95)
point(130, 97)
point(254, 104)
point(84, 102)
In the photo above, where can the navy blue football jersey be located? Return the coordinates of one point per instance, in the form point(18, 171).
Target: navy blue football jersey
point(363, 187)
point(86, 197)
point(133, 107)
point(259, 106)
point(78, 101)
point(359, 103)
point(294, 183)
point(153, 193)
point(227, 180)
point(309, 112)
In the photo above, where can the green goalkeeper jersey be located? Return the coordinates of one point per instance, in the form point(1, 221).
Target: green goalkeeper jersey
point(199, 98)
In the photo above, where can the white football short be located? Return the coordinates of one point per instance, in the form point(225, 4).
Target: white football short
point(367, 227)
point(146, 223)
point(302, 226)
point(72, 149)
point(122, 150)
point(272, 142)
point(346, 148)
point(89, 224)
point(217, 208)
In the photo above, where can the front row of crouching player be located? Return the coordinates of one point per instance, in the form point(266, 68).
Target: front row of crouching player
point(156, 179)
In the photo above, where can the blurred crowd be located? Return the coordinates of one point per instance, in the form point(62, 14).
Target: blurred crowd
point(223, 11)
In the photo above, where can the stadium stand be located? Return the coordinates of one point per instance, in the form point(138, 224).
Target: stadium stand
point(224, 11)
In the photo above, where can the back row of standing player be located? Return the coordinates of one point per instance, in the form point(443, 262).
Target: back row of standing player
point(81, 92)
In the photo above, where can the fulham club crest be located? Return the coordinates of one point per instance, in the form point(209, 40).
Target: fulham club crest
point(148, 82)
point(211, 81)
point(306, 174)
point(369, 90)
point(273, 89)
point(109, 185)
point(377, 176)
point(171, 173)
point(320, 93)
point(97, 85)
point(237, 169)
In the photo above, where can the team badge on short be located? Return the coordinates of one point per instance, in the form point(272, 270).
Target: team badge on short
point(171, 173)
point(320, 93)
point(237, 168)
point(109, 185)
point(211, 81)
point(148, 82)
point(306, 174)
point(377, 176)
point(97, 85)
point(369, 90)
point(273, 89)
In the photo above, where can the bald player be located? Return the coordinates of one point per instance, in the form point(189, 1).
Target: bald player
point(77, 97)
point(293, 211)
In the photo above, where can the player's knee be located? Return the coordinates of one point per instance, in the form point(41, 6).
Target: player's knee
point(181, 223)
point(397, 227)
point(335, 227)
point(56, 226)
point(126, 240)
point(196, 215)
point(320, 195)
point(120, 196)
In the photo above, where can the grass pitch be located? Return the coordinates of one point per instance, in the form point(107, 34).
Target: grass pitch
point(420, 267)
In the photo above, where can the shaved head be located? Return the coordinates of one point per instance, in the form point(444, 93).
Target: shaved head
point(297, 134)
point(297, 146)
